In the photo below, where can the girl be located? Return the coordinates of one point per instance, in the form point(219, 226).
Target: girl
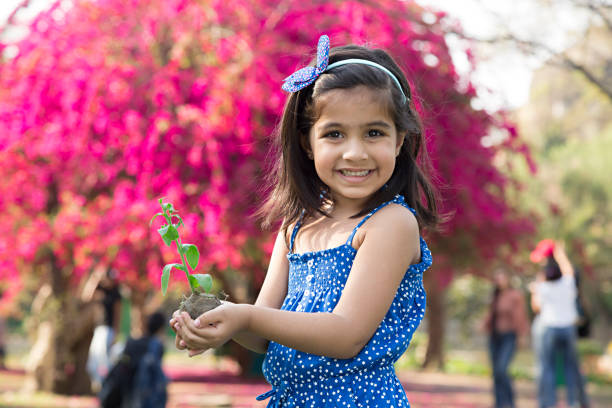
point(344, 292)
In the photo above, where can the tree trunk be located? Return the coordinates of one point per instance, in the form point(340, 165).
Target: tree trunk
point(435, 321)
point(62, 325)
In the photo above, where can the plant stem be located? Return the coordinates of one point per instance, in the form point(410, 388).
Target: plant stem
point(179, 247)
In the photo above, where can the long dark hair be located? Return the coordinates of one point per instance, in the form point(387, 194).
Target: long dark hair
point(294, 181)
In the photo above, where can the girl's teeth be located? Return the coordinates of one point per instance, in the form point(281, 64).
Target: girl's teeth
point(355, 173)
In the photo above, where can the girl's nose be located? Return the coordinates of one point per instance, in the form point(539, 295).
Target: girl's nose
point(355, 150)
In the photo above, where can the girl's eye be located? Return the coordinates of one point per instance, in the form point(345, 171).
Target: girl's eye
point(375, 133)
point(333, 134)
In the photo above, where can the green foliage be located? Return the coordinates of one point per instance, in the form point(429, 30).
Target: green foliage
point(189, 253)
point(463, 366)
point(467, 299)
point(569, 124)
point(587, 347)
point(413, 357)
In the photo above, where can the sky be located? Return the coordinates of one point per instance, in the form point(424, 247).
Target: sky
point(503, 74)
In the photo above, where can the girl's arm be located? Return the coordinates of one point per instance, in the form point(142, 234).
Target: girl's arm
point(272, 294)
point(390, 245)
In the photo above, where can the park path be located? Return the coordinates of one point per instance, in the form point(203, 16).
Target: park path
point(196, 387)
point(200, 388)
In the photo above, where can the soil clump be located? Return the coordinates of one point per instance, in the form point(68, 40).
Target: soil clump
point(198, 303)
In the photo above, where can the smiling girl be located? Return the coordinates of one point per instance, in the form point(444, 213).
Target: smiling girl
point(343, 293)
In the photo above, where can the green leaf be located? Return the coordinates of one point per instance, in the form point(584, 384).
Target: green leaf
point(193, 282)
point(154, 217)
point(204, 281)
point(168, 233)
point(192, 254)
point(168, 207)
point(172, 233)
point(163, 231)
point(166, 277)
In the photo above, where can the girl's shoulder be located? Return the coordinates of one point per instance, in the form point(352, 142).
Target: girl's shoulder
point(286, 231)
point(393, 221)
point(303, 220)
point(394, 216)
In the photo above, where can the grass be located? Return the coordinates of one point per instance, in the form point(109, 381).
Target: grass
point(476, 362)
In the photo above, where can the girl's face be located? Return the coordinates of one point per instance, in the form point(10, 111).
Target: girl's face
point(354, 144)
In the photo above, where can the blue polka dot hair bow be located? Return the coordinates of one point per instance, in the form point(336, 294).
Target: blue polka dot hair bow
point(307, 75)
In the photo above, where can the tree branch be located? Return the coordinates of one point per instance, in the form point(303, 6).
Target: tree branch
point(599, 12)
point(587, 74)
point(532, 47)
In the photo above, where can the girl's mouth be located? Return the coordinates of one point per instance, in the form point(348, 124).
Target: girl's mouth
point(355, 173)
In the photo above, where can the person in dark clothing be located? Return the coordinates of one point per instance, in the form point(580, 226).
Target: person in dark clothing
point(137, 379)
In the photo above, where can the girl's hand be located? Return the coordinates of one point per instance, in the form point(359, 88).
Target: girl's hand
point(178, 341)
point(213, 328)
point(174, 325)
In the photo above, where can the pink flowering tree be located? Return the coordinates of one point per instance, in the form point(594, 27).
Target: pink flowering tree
point(108, 105)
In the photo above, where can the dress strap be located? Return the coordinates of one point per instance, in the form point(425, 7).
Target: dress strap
point(398, 199)
point(295, 230)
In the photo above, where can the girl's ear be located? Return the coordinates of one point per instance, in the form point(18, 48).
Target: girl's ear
point(306, 146)
point(399, 143)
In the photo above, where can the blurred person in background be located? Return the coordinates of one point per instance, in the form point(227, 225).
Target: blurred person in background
point(554, 299)
point(137, 379)
point(2, 343)
point(506, 322)
point(537, 329)
point(108, 299)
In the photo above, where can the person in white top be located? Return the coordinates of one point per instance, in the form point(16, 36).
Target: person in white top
point(555, 300)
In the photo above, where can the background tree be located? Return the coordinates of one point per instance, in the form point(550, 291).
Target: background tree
point(547, 34)
point(107, 105)
point(569, 126)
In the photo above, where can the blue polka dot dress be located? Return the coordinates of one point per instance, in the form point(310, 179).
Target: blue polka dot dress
point(368, 380)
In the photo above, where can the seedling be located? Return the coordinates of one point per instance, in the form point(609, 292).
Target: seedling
point(200, 300)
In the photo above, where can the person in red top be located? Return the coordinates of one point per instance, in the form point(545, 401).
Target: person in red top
point(506, 322)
